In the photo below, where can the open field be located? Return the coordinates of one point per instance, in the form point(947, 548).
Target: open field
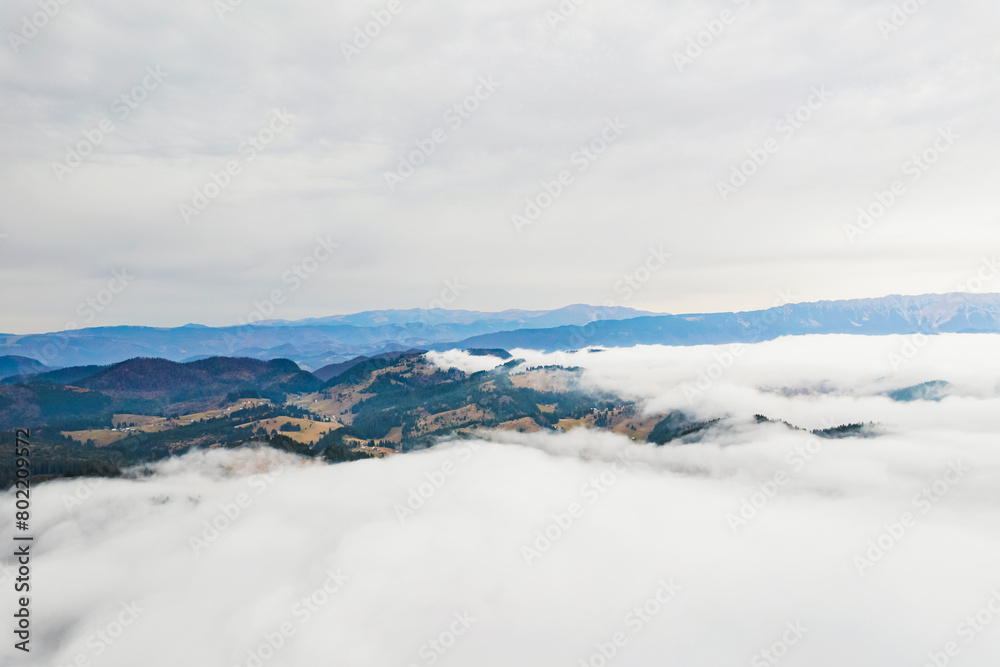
point(570, 424)
point(101, 437)
point(311, 430)
point(523, 425)
point(153, 424)
point(225, 410)
point(338, 406)
point(637, 428)
point(138, 420)
point(451, 418)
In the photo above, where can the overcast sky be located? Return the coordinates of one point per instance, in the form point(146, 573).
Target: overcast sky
point(198, 81)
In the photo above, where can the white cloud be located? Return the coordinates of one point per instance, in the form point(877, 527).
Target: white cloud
point(463, 361)
point(664, 516)
point(805, 379)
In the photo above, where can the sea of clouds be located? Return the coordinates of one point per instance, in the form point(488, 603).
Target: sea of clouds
point(762, 545)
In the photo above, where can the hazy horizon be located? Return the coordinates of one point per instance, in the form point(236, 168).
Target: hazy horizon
point(601, 312)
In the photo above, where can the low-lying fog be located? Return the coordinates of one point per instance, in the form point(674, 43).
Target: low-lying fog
point(760, 546)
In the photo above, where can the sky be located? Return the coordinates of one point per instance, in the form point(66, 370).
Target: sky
point(189, 161)
point(537, 549)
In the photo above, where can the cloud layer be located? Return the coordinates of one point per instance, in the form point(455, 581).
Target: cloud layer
point(560, 548)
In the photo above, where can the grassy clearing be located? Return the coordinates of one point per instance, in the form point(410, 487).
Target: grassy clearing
point(101, 437)
point(311, 431)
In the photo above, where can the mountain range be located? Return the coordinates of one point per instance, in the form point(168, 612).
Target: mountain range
point(317, 343)
point(143, 394)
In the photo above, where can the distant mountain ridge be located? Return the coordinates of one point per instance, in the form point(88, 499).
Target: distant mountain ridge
point(318, 343)
point(67, 375)
point(312, 345)
point(333, 370)
point(148, 384)
point(159, 378)
point(13, 365)
point(928, 314)
point(576, 314)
